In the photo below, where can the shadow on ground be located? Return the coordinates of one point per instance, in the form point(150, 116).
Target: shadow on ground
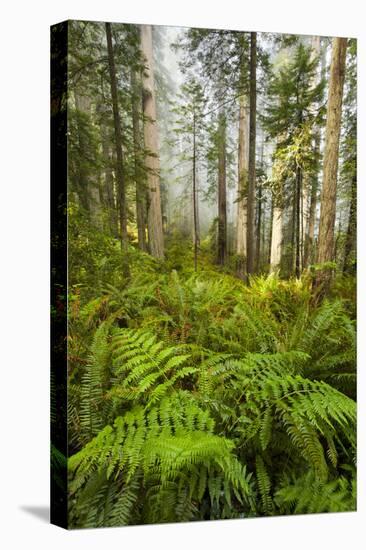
point(40, 512)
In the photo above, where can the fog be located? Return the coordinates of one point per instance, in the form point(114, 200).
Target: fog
point(175, 171)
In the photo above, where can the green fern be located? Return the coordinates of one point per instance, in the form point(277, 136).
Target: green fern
point(145, 370)
point(308, 495)
point(261, 401)
point(95, 380)
point(219, 400)
point(163, 447)
point(264, 485)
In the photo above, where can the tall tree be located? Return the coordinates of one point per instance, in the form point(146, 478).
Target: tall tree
point(243, 158)
point(348, 265)
point(276, 236)
point(189, 131)
point(348, 172)
point(109, 195)
point(84, 142)
point(260, 213)
point(154, 216)
point(277, 185)
point(194, 193)
point(221, 59)
point(222, 214)
point(292, 117)
point(331, 154)
point(85, 160)
point(310, 189)
point(252, 143)
point(119, 151)
point(136, 91)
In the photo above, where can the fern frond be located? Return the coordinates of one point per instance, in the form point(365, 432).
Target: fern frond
point(264, 485)
point(146, 370)
point(161, 444)
point(308, 495)
point(94, 382)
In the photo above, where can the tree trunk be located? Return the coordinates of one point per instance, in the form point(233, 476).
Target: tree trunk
point(138, 170)
point(197, 211)
point(298, 221)
point(194, 193)
point(258, 232)
point(154, 216)
point(263, 250)
point(83, 187)
point(293, 233)
point(276, 244)
point(89, 181)
point(337, 238)
point(259, 218)
point(243, 157)
point(270, 233)
point(310, 188)
point(348, 266)
point(108, 186)
point(222, 225)
point(309, 243)
point(120, 162)
point(309, 248)
point(276, 231)
point(304, 226)
point(252, 140)
point(331, 153)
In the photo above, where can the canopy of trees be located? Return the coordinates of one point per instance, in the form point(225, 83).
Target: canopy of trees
point(212, 273)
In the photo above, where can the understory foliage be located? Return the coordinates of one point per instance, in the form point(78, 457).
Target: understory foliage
point(194, 396)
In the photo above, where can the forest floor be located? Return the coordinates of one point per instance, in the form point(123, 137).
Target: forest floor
point(226, 399)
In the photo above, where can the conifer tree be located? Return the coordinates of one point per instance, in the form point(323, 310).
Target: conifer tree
point(252, 153)
point(154, 214)
point(292, 117)
point(190, 127)
point(331, 155)
point(119, 151)
point(348, 172)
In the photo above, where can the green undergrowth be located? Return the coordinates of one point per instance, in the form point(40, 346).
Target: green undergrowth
point(195, 396)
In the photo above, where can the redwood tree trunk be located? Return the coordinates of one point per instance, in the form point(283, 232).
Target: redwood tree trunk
point(298, 222)
point(252, 140)
point(194, 193)
point(139, 176)
point(222, 225)
point(82, 106)
point(349, 267)
point(270, 233)
point(119, 151)
point(331, 153)
point(293, 232)
point(108, 184)
point(309, 245)
point(243, 157)
point(154, 216)
point(259, 229)
point(276, 238)
point(309, 195)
